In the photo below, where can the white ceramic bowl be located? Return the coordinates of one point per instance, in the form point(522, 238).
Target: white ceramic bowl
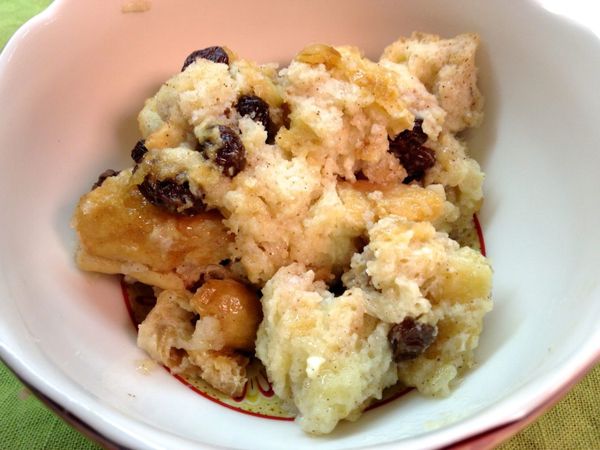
point(71, 83)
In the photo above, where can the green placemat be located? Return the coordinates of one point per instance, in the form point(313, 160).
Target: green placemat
point(25, 423)
point(574, 423)
point(13, 13)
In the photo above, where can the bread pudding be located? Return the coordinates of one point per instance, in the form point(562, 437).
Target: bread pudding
point(311, 216)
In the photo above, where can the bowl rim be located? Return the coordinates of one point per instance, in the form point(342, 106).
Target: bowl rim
point(108, 426)
point(486, 439)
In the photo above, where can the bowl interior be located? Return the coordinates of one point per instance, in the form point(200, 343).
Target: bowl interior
point(70, 114)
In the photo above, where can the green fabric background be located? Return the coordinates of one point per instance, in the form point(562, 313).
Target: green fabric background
point(25, 423)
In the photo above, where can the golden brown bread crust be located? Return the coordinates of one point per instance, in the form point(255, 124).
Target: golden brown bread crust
point(121, 231)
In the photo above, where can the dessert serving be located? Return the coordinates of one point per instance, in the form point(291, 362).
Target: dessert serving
point(316, 217)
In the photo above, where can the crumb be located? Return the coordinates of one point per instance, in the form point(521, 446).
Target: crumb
point(136, 6)
point(145, 366)
point(24, 394)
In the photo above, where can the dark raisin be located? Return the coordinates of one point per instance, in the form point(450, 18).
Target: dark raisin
point(417, 162)
point(232, 154)
point(415, 137)
point(138, 152)
point(271, 133)
point(170, 195)
point(225, 150)
point(255, 107)
point(258, 110)
point(214, 54)
point(225, 262)
point(413, 155)
point(410, 339)
point(103, 176)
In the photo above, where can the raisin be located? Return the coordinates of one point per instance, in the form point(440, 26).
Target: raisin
point(410, 339)
point(103, 176)
point(232, 154)
point(138, 152)
point(170, 195)
point(417, 162)
point(214, 54)
point(413, 155)
point(415, 137)
point(255, 107)
point(228, 151)
point(258, 110)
